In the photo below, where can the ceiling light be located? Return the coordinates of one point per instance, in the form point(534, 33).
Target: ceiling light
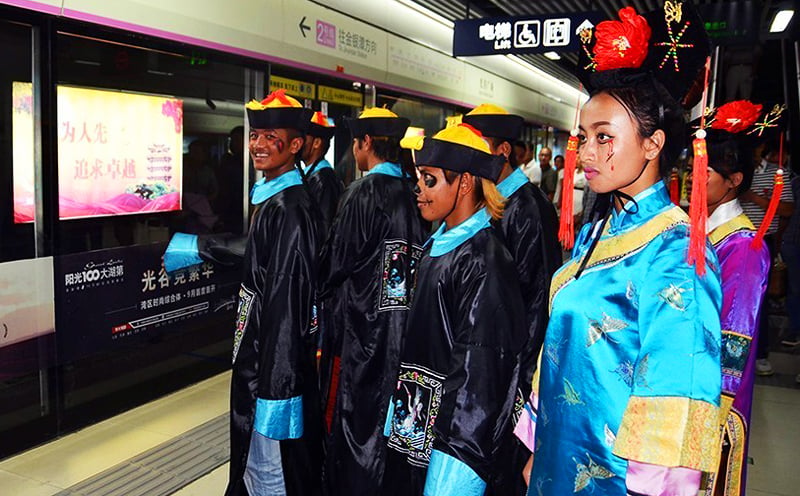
point(781, 20)
point(427, 13)
point(552, 55)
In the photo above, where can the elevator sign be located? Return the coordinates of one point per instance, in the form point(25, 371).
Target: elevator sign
point(522, 34)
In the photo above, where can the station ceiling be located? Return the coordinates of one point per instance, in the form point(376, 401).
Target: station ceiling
point(565, 68)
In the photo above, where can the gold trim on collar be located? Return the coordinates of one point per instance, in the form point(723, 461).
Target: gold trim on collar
point(618, 247)
point(738, 223)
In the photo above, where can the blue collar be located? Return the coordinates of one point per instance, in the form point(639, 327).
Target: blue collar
point(387, 169)
point(313, 169)
point(512, 183)
point(648, 204)
point(263, 190)
point(446, 241)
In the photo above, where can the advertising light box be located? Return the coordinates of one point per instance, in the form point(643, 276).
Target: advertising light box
point(118, 153)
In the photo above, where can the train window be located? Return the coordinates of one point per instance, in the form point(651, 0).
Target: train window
point(17, 205)
point(428, 115)
point(150, 142)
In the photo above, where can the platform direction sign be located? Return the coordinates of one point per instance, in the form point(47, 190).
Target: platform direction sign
point(522, 34)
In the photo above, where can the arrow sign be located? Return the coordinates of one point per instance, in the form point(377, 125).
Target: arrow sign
point(303, 27)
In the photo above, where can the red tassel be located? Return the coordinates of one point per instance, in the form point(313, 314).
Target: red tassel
point(772, 208)
point(698, 208)
point(674, 188)
point(566, 227)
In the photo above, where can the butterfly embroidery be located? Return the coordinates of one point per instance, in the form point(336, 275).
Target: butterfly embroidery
point(632, 294)
point(551, 353)
point(540, 482)
point(611, 438)
point(641, 372)
point(673, 296)
point(603, 328)
point(591, 473)
point(673, 11)
point(570, 396)
point(712, 344)
point(543, 413)
point(625, 372)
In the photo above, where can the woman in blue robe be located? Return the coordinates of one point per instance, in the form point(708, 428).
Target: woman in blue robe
point(628, 393)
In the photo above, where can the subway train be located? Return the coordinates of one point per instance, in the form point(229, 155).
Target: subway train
point(123, 122)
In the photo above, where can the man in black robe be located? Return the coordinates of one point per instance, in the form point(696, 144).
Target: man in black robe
point(367, 273)
point(529, 228)
point(325, 186)
point(276, 428)
point(452, 408)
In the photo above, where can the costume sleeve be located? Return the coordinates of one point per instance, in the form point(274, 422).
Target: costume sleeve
point(671, 418)
point(525, 241)
point(286, 355)
point(328, 191)
point(479, 388)
point(351, 240)
point(744, 281)
point(185, 250)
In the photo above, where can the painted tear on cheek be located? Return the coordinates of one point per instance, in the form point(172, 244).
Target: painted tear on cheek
point(610, 154)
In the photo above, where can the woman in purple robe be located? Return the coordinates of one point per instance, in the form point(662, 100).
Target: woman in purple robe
point(744, 266)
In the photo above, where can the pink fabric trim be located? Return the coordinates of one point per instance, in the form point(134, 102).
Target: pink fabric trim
point(525, 429)
point(655, 480)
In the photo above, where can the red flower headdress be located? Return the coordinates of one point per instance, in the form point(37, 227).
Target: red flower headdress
point(736, 116)
point(622, 44)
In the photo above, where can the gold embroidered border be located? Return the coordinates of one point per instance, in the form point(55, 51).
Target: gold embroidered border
point(670, 431)
point(737, 436)
point(739, 223)
point(725, 405)
point(618, 247)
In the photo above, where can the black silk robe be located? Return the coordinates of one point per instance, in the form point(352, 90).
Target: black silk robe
point(529, 228)
point(367, 270)
point(275, 343)
point(457, 382)
point(326, 188)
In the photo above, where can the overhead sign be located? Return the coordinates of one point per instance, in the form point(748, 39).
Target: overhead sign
point(521, 34)
point(340, 96)
point(293, 87)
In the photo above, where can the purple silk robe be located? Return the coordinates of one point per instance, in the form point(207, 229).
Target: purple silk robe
point(744, 280)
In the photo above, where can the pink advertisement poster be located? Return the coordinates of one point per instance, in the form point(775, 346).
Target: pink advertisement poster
point(118, 153)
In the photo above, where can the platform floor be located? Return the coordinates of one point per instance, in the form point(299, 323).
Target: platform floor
point(65, 462)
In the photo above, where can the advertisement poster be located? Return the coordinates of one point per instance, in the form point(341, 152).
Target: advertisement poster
point(118, 153)
point(108, 298)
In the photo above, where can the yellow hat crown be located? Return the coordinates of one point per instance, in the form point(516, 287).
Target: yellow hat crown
point(465, 135)
point(488, 109)
point(460, 134)
point(377, 112)
point(276, 99)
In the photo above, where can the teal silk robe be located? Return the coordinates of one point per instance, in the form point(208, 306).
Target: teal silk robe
point(630, 368)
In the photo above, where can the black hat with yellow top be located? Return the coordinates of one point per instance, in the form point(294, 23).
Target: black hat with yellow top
point(321, 126)
point(377, 121)
point(278, 111)
point(459, 148)
point(495, 122)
